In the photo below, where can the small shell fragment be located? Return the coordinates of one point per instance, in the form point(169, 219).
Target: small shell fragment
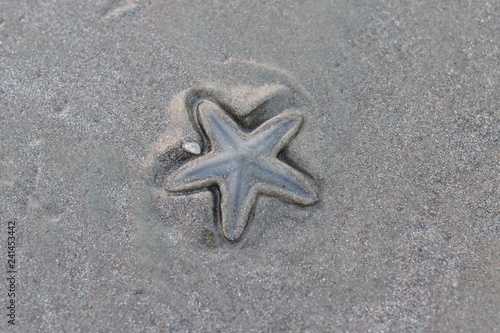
point(192, 148)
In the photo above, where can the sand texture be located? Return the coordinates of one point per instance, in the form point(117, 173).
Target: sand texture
point(399, 105)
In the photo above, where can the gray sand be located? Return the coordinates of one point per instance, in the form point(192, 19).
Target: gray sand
point(401, 107)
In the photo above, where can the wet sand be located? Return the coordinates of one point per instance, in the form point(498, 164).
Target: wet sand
point(400, 137)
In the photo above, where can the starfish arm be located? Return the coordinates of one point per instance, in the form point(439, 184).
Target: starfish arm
point(201, 172)
point(238, 196)
point(276, 133)
point(222, 132)
point(281, 180)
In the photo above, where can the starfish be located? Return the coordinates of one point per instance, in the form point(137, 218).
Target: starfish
point(243, 165)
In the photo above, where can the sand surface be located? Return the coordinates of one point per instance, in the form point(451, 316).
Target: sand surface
point(401, 105)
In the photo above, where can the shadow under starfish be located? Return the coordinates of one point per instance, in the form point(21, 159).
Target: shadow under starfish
point(243, 165)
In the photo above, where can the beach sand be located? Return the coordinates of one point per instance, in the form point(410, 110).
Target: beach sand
point(401, 108)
